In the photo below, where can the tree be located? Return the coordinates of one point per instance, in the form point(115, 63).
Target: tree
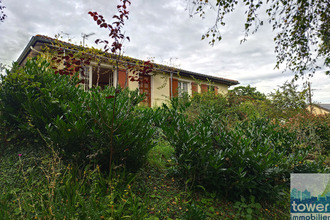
point(287, 100)
point(3, 68)
point(2, 14)
point(302, 29)
point(248, 102)
point(247, 92)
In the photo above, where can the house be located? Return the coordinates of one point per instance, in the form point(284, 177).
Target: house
point(163, 83)
point(319, 109)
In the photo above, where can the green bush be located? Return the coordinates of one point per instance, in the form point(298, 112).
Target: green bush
point(26, 102)
point(252, 157)
point(231, 107)
point(208, 100)
point(130, 127)
point(312, 129)
point(37, 106)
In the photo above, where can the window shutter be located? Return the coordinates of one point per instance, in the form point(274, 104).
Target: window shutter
point(194, 88)
point(204, 88)
point(122, 78)
point(173, 88)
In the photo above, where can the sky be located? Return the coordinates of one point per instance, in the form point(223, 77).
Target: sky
point(160, 30)
point(315, 183)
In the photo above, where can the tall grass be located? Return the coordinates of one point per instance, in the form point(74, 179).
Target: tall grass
point(44, 188)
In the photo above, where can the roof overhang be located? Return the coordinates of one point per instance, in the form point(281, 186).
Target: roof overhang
point(34, 40)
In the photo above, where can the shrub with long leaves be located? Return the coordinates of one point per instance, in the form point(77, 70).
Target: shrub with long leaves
point(251, 157)
point(36, 102)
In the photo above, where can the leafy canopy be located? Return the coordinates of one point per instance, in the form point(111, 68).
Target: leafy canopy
point(287, 97)
point(247, 91)
point(2, 14)
point(302, 28)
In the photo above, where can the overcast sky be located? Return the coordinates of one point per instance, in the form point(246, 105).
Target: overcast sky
point(161, 30)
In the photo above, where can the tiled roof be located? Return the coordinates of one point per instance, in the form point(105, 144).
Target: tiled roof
point(199, 76)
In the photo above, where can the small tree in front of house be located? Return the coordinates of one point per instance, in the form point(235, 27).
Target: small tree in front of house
point(118, 38)
point(287, 100)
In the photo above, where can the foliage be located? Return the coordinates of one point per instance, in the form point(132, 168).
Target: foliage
point(246, 210)
point(244, 93)
point(233, 107)
point(302, 28)
point(115, 29)
point(202, 102)
point(54, 191)
point(194, 213)
point(27, 103)
point(80, 124)
point(130, 127)
point(282, 104)
point(247, 102)
point(118, 37)
point(252, 157)
point(312, 129)
point(287, 100)
point(2, 14)
point(161, 156)
point(39, 185)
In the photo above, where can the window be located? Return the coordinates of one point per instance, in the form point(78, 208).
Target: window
point(105, 77)
point(182, 88)
point(91, 77)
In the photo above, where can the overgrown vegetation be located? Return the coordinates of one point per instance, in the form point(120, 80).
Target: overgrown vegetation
point(37, 105)
point(250, 157)
point(205, 157)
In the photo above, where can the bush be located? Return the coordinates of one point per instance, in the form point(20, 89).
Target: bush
point(231, 107)
point(253, 157)
point(312, 129)
point(127, 127)
point(37, 105)
point(27, 103)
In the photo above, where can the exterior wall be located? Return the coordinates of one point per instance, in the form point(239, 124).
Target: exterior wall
point(317, 110)
point(222, 89)
point(160, 89)
point(33, 53)
point(132, 85)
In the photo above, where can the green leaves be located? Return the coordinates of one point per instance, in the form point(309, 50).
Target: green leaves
point(301, 27)
point(250, 157)
point(36, 101)
point(247, 210)
point(287, 100)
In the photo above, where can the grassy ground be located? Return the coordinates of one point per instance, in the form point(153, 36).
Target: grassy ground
point(169, 198)
point(44, 188)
